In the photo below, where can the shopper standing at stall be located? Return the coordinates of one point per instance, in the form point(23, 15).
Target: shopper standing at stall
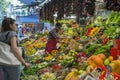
point(83, 18)
point(53, 38)
point(8, 37)
point(46, 30)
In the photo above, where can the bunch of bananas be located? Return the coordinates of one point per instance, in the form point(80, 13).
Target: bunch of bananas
point(39, 45)
point(74, 75)
point(27, 43)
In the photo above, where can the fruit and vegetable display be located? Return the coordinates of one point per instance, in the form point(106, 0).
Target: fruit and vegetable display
point(93, 51)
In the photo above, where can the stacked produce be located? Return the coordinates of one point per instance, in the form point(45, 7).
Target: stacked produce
point(31, 46)
point(96, 52)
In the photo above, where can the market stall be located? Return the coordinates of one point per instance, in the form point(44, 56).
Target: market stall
point(89, 52)
point(28, 24)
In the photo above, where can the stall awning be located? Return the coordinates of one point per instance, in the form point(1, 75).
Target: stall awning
point(30, 2)
point(28, 19)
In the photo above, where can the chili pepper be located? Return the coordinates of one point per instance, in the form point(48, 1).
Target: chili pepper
point(88, 31)
point(105, 41)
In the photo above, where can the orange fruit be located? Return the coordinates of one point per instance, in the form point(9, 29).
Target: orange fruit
point(110, 58)
point(102, 56)
point(95, 59)
point(90, 59)
point(98, 61)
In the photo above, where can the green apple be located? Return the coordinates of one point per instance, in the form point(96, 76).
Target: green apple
point(82, 72)
point(106, 62)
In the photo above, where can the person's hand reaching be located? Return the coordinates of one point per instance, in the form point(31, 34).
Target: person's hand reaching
point(27, 65)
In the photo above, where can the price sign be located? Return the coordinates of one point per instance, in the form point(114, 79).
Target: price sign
point(88, 76)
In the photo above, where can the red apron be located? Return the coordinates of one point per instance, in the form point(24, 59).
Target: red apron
point(51, 45)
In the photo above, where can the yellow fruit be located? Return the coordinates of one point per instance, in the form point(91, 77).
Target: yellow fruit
point(115, 66)
point(106, 62)
point(49, 57)
point(74, 75)
point(110, 58)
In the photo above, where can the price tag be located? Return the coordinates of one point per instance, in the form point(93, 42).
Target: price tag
point(89, 77)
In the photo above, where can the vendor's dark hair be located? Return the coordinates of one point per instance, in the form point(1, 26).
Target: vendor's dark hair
point(6, 24)
point(58, 24)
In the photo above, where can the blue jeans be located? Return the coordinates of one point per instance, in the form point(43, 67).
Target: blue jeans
point(10, 72)
point(1, 74)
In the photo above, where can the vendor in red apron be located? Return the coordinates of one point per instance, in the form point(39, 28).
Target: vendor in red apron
point(53, 38)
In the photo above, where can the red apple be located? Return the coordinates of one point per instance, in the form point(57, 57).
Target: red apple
point(78, 55)
point(83, 54)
